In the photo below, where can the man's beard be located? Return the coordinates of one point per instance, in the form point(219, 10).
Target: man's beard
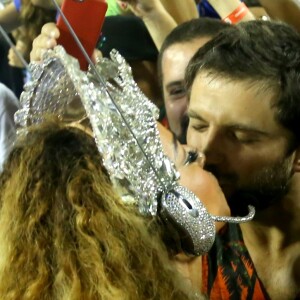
point(262, 189)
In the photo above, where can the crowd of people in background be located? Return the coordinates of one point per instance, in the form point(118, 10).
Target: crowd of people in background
point(225, 76)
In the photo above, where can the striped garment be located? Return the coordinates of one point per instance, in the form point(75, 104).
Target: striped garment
point(228, 272)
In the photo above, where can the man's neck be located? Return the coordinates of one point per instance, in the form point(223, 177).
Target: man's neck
point(273, 242)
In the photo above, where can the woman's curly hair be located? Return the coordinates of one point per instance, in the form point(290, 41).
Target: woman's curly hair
point(65, 233)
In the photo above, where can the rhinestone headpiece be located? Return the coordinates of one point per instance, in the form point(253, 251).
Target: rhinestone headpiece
point(124, 126)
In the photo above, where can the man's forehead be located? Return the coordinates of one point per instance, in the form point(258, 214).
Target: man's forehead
point(176, 58)
point(258, 88)
point(228, 101)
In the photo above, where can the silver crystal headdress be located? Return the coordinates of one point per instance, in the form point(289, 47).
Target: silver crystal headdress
point(129, 142)
point(124, 126)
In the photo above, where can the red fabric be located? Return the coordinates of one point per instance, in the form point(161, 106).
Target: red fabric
point(228, 271)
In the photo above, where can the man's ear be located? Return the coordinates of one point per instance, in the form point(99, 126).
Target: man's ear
point(296, 164)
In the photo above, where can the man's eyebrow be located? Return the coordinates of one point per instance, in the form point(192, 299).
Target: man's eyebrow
point(234, 126)
point(193, 115)
point(175, 84)
point(247, 128)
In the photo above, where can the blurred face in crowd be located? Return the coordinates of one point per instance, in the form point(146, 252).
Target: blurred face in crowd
point(246, 148)
point(174, 62)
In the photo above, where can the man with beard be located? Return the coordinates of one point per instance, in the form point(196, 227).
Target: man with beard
point(244, 110)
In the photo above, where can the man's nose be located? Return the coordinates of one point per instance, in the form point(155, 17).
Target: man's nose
point(213, 147)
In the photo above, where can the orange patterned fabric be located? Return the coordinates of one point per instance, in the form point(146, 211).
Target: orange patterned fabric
point(228, 272)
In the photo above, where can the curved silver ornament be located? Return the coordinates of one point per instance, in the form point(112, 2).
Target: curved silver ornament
point(182, 208)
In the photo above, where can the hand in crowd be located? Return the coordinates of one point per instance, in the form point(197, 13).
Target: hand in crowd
point(141, 7)
point(13, 59)
point(46, 40)
point(180, 11)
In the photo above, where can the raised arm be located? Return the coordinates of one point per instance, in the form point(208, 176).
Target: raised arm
point(162, 16)
point(228, 7)
point(181, 11)
point(156, 18)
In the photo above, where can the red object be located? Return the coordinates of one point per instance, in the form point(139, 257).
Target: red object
point(228, 271)
point(86, 19)
point(237, 15)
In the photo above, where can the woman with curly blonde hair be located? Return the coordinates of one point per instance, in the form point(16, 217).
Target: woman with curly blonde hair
point(64, 232)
